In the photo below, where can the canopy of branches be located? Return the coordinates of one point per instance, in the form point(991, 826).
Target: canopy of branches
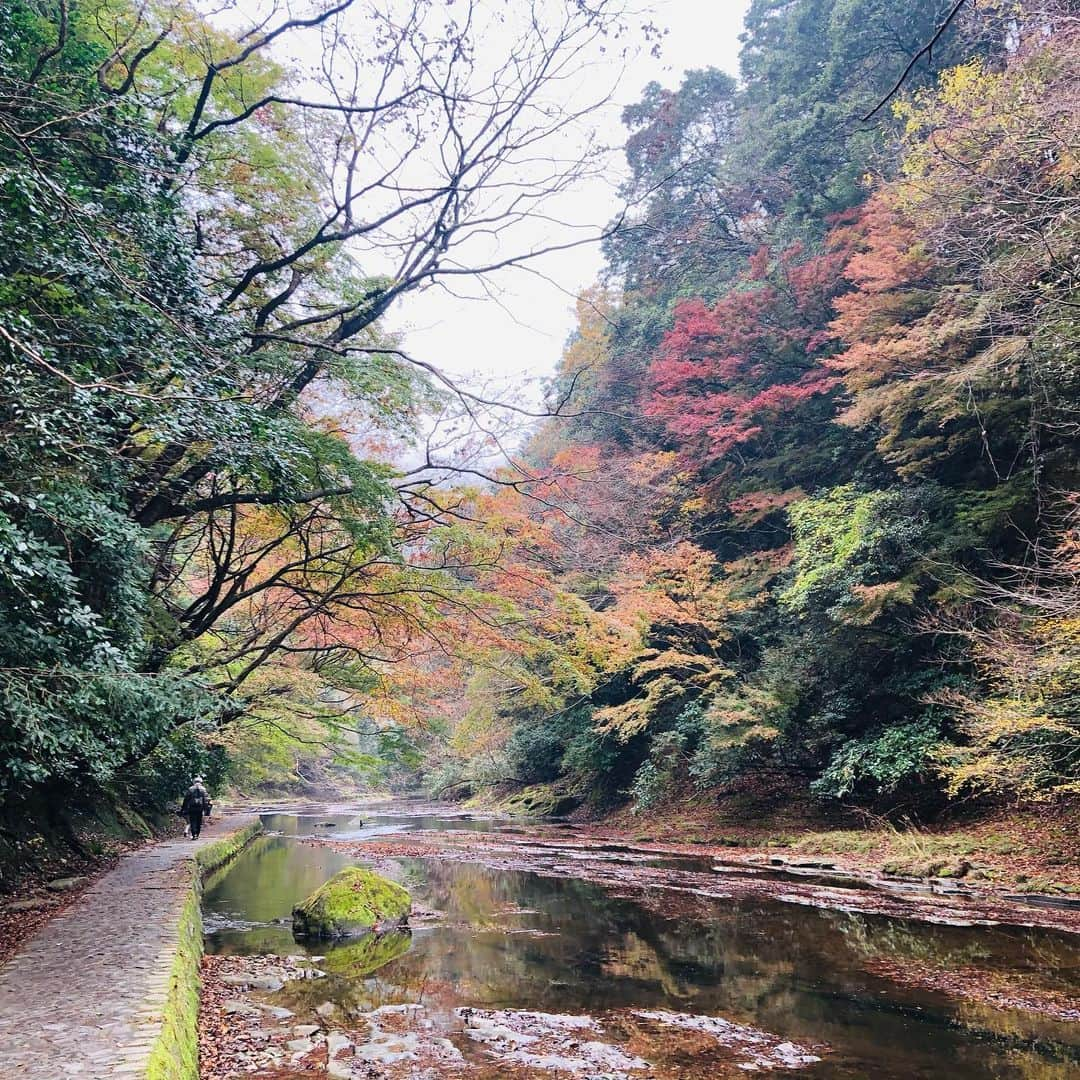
point(805, 509)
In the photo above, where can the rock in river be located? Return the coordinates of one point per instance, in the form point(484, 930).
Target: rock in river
point(352, 902)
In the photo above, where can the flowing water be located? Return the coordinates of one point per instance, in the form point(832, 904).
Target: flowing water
point(511, 939)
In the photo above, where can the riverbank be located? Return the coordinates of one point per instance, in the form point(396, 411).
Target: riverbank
point(48, 860)
point(1029, 848)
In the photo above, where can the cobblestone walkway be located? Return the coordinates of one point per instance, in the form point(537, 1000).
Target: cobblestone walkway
point(83, 996)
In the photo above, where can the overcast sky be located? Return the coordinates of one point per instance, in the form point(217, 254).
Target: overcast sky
point(519, 337)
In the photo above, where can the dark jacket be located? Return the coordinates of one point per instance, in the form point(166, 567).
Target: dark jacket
point(196, 801)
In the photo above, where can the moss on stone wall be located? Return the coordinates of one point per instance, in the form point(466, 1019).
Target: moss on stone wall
point(175, 1054)
point(217, 854)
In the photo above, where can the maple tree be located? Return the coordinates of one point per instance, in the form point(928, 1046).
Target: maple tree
point(735, 372)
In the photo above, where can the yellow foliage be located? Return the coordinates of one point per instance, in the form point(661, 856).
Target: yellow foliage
point(1023, 737)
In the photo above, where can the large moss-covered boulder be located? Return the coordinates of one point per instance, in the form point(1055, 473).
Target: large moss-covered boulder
point(352, 902)
point(540, 800)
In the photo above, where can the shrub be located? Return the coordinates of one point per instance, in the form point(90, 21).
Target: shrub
point(883, 764)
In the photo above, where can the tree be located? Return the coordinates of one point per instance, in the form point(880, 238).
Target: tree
point(686, 217)
point(736, 372)
point(1019, 719)
point(813, 69)
point(199, 243)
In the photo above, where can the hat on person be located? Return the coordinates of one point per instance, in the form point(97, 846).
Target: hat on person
point(197, 780)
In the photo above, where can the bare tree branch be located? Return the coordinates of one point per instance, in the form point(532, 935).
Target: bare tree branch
point(927, 50)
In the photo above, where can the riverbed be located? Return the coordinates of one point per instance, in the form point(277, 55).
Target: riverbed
point(533, 952)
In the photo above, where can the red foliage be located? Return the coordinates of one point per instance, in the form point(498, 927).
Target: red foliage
point(725, 374)
point(892, 276)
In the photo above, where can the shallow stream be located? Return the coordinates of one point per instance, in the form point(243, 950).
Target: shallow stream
point(512, 939)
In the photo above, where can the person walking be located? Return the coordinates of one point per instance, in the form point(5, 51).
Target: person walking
point(196, 805)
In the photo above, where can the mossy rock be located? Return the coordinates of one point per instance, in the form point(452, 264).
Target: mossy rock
point(540, 800)
point(352, 902)
point(955, 870)
point(366, 954)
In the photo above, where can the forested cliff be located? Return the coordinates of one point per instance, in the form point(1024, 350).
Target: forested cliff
point(803, 508)
point(813, 519)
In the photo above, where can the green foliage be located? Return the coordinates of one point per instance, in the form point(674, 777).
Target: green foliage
point(828, 386)
point(862, 417)
point(592, 760)
point(86, 727)
point(78, 622)
point(676, 153)
point(849, 544)
point(671, 760)
point(167, 770)
point(566, 744)
point(812, 69)
point(898, 760)
point(535, 753)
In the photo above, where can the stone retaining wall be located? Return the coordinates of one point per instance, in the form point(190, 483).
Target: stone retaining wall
point(175, 1054)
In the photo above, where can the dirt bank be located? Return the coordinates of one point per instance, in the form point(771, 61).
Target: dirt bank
point(1021, 849)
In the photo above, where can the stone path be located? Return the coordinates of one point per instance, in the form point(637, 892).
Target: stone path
point(83, 996)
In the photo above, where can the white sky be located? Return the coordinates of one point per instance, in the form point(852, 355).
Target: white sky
point(517, 341)
point(506, 344)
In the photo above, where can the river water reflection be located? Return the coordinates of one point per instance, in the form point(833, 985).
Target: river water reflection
point(517, 940)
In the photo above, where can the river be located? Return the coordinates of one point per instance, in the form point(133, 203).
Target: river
point(674, 983)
